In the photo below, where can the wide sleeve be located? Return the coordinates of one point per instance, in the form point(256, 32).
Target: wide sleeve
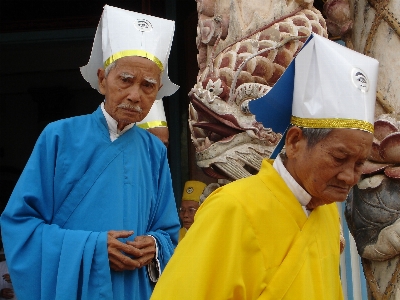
point(46, 261)
point(164, 224)
point(219, 258)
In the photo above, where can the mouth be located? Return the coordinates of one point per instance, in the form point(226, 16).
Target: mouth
point(212, 126)
point(341, 189)
point(208, 127)
point(229, 143)
point(130, 108)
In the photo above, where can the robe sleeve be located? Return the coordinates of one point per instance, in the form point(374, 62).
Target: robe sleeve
point(164, 226)
point(219, 258)
point(46, 261)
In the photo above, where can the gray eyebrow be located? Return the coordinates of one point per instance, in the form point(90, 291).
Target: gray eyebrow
point(151, 80)
point(127, 75)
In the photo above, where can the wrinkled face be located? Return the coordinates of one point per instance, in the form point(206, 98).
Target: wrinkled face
point(130, 89)
point(187, 211)
point(328, 170)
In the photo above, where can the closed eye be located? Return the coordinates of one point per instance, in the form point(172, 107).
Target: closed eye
point(148, 84)
point(339, 159)
point(126, 78)
point(359, 164)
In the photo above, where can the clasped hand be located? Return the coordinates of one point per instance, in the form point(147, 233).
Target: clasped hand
point(132, 254)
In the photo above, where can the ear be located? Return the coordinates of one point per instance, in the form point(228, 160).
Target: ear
point(102, 81)
point(295, 141)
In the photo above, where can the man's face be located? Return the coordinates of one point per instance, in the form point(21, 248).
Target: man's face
point(130, 89)
point(187, 211)
point(328, 170)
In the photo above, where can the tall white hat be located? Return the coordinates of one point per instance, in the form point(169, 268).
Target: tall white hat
point(155, 117)
point(123, 33)
point(326, 86)
point(335, 87)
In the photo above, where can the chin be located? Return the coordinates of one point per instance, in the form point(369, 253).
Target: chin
point(127, 121)
point(334, 199)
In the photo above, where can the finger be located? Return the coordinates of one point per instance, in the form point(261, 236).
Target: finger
point(116, 267)
point(120, 233)
point(145, 259)
point(148, 250)
point(142, 242)
point(113, 243)
point(125, 248)
point(121, 262)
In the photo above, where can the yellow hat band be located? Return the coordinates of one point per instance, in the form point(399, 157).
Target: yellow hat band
point(332, 123)
point(140, 53)
point(152, 124)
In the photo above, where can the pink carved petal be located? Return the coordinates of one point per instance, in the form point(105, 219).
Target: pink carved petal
point(375, 155)
point(372, 167)
point(390, 148)
point(382, 128)
point(393, 172)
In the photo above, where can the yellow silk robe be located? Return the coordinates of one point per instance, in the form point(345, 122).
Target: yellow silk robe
point(252, 240)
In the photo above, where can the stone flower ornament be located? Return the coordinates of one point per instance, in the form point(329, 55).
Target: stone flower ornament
point(373, 206)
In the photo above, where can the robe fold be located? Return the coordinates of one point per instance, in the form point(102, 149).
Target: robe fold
point(76, 186)
point(252, 240)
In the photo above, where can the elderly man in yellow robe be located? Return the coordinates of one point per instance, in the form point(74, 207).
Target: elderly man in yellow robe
point(276, 235)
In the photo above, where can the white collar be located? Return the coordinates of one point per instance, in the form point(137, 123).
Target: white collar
point(301, 195)
point(112, 125)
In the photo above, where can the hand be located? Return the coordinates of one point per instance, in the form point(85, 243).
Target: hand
point(129, 256)
point(147, 245)
point(7, 278)
point(7, 293)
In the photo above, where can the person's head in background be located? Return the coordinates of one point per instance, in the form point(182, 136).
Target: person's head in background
point(155, 122)
point(190, 202)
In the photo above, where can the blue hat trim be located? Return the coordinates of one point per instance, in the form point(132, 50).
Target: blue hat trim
point(274, 110)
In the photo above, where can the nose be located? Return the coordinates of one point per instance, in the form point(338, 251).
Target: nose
point(349, 175)
point(134, 93)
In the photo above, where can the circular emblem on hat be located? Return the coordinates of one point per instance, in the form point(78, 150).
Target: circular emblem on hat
point(143, 25)
point(189, 190)
point(360, 79)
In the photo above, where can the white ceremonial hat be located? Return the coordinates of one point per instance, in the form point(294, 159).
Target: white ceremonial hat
point(334, 87)
point(326, 86)
point(125, 33)
point(155, 117)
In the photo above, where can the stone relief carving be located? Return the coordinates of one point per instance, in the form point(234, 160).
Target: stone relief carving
point(373, 208)
point(243, 49)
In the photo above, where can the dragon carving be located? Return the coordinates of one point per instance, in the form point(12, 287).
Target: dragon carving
point(242, 51)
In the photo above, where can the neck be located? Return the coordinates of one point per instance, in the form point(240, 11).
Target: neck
point(121, 125)
point(312, 204)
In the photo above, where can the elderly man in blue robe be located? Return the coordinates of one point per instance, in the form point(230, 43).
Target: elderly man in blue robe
point(93, 215)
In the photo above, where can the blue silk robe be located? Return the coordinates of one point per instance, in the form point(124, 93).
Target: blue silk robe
point(76, 186)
